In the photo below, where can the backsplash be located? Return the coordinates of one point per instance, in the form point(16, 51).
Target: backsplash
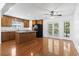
point(8, 29)
point(3, 29)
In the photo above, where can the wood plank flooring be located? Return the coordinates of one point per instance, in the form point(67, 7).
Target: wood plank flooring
point(39, 47)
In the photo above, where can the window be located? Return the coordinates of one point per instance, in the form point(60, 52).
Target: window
point(66, 29)
point(50, 28)
point(56, 29)
point(17, 25)
point(53, 29)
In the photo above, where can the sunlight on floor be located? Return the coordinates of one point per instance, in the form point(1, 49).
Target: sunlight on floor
point(66, 48)
point(13, 52)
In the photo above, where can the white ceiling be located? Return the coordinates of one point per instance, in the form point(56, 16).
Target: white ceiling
point(37, 10)
point(6, 7)
point(1, 5)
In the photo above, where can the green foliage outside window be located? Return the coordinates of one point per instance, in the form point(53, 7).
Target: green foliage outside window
point(66, 29)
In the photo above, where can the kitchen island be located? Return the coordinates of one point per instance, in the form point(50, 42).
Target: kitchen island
point(24, 36)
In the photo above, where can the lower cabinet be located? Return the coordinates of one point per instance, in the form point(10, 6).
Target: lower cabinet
point(12, 36)
point(6, 36)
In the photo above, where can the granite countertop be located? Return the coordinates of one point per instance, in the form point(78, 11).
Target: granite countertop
point(8, 31)
point(24, 31)
point(18, 31)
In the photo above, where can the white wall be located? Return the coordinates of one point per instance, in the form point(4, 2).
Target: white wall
point(75, 34)
point(0, 27)
point(45, 28)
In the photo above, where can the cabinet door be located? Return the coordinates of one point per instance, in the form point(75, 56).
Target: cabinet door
point(9, 21)
point(39, 21)
point(26, 23)
point(12, 35)
point(3, 21)
point(34, 22)
point(6, 21)
point(4, 36)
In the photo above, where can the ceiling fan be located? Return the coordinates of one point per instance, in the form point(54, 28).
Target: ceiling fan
point(52, 13)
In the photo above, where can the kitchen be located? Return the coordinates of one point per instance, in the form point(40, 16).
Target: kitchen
point(38, 29)
point(20, 30)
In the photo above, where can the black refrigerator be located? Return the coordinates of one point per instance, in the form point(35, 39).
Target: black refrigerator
point(39, 30)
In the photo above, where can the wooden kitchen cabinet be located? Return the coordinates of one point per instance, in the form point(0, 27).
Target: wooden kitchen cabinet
point(3, 21)
point(34, 22)
point(9, 21)
point(6, 21)
point(37, 22)
point(24, 37)
point(12, 35)
point(26, 23)
point(5, 36)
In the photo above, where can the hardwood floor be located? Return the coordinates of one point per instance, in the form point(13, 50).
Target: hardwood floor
point(39, 47)
point(0, 50)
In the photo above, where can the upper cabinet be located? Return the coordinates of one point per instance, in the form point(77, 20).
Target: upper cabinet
point(26, 23)
point(6, 21)
point(34, 22)
point(37, 22)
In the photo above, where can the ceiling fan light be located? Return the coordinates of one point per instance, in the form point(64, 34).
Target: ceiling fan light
point(60, 15)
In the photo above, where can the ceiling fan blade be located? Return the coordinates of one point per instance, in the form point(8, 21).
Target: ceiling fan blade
point(57, 15)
